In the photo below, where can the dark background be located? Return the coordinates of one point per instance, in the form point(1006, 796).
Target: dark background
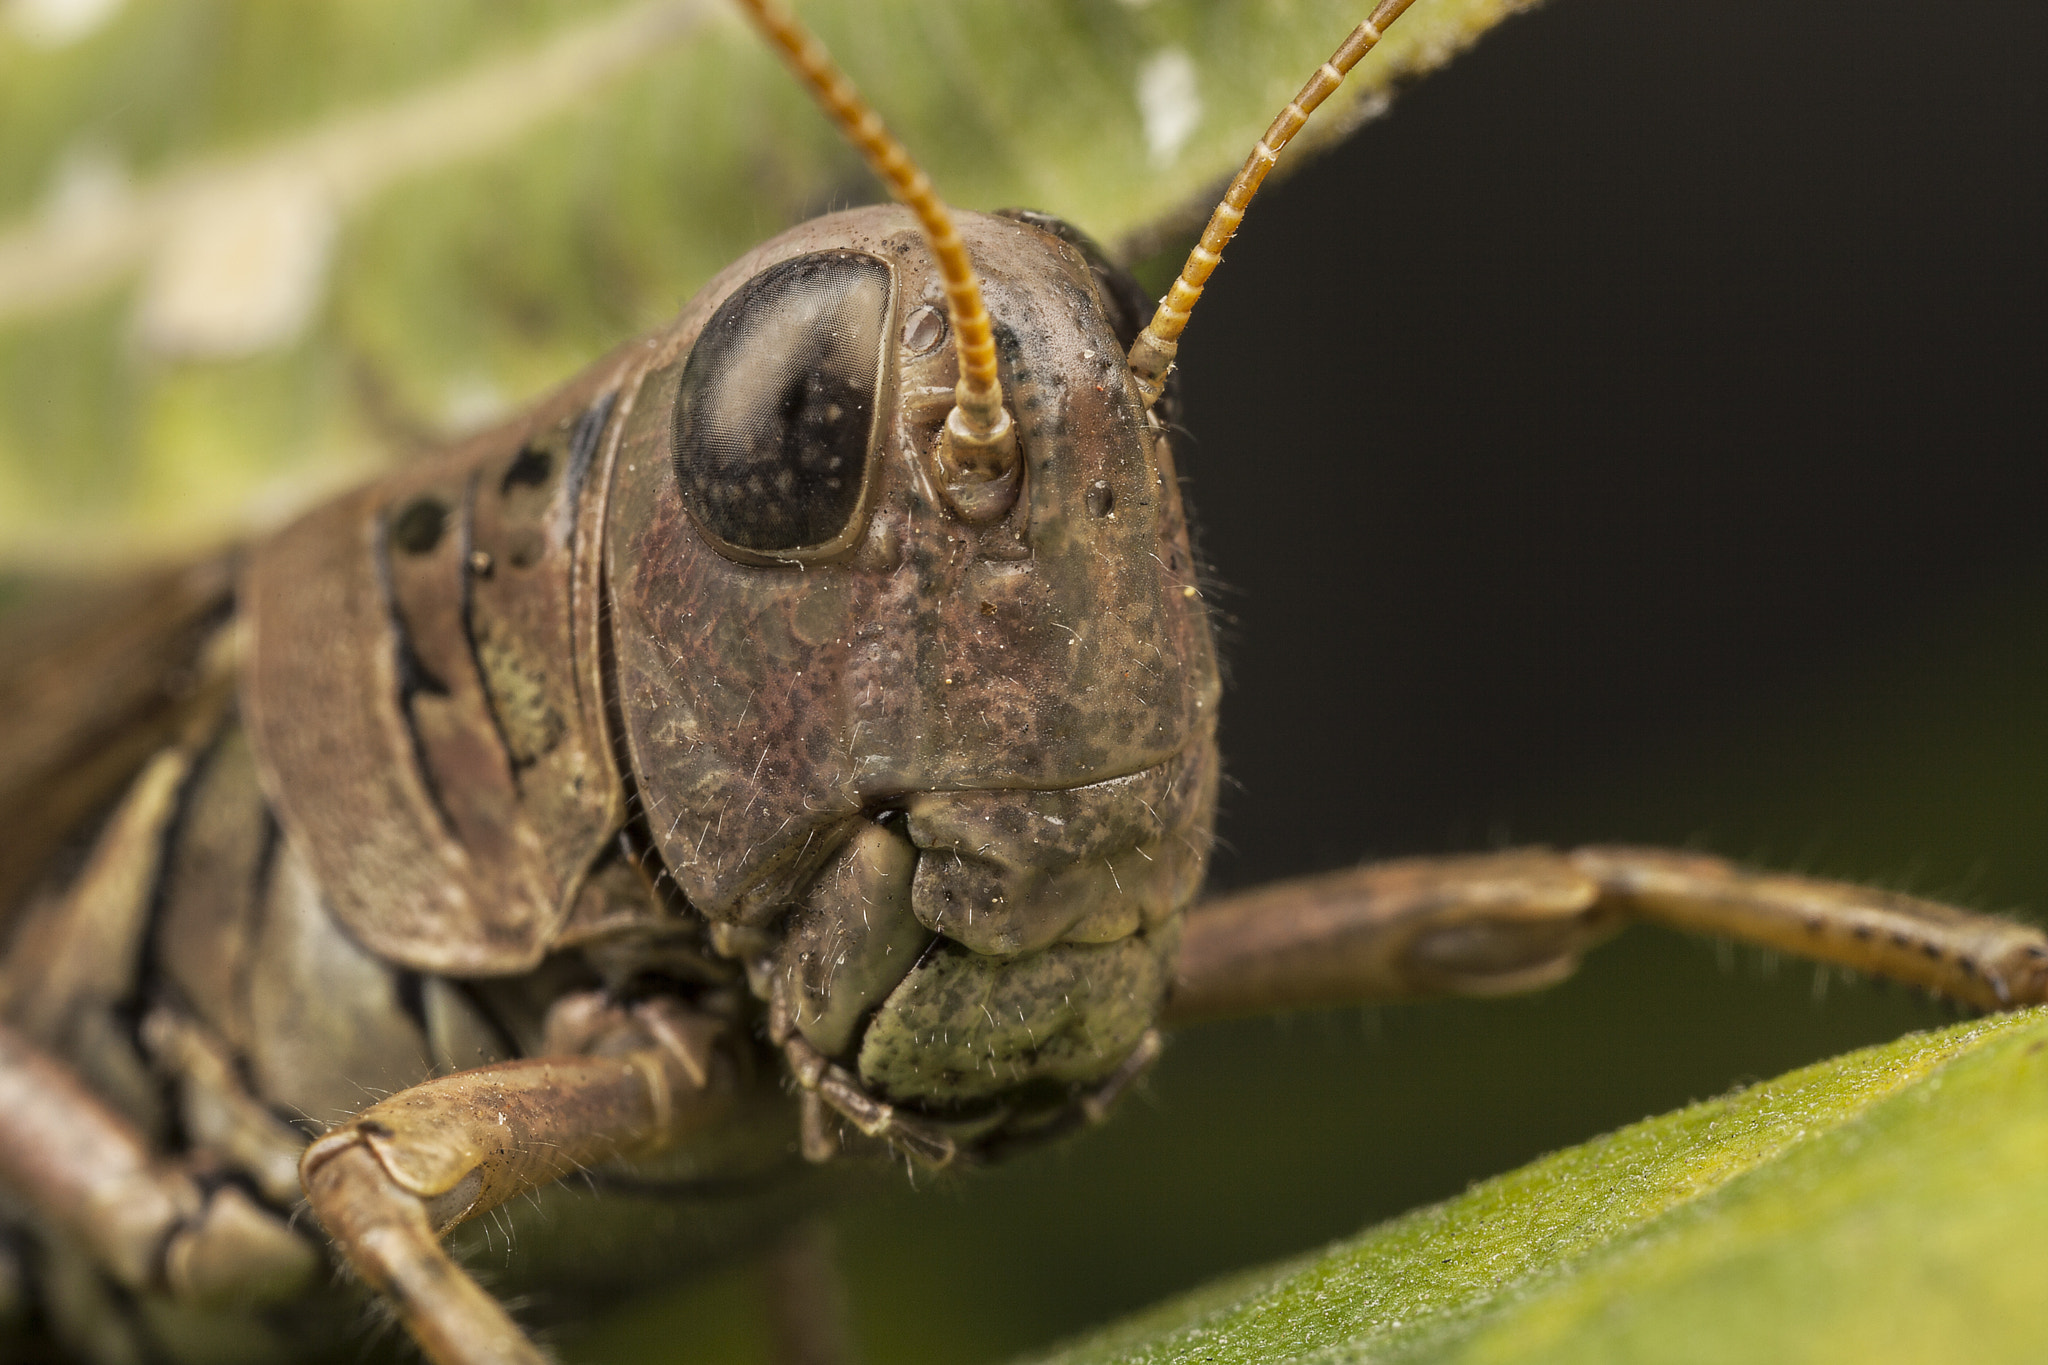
point(1637, 435)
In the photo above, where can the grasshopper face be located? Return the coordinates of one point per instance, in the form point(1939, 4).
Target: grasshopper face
point(952, 755)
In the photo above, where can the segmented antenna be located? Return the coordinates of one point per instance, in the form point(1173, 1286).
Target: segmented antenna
point(1152, 353)
point(978, 419)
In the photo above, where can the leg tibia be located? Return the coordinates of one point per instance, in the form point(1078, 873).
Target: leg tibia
point(1980, 960)
point(386, 1234)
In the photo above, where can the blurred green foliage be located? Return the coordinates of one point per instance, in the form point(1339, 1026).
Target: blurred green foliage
point(440, 211)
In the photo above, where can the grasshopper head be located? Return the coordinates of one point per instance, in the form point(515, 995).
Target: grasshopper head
point(937, 742)
point(916, 680)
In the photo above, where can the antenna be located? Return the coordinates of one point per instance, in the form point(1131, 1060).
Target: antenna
point(979, 442)
point(1152, 353)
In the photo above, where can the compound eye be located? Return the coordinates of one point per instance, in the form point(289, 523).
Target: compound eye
point(777, 416)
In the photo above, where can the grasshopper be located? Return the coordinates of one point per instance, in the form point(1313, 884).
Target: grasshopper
point(448, 775)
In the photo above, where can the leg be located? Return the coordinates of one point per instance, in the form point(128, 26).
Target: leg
point(86, 1175)
point(1493, 923)
point(389, 1182)
point(217, 1112)
point(806, 1301)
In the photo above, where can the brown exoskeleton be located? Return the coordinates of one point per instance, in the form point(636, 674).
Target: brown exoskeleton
point(647, 781)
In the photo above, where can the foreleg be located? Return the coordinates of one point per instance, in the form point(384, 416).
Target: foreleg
point(1493, 923)
point(387, 1184)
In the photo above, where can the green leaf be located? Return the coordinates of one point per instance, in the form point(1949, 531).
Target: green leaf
point(1884, 1206)
point(250, 252)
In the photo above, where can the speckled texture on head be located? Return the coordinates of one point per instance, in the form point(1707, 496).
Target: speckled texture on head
point(974, 676)
point(766, 706)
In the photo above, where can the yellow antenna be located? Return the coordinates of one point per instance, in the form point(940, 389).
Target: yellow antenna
point(980, 439)
point(1152, 353)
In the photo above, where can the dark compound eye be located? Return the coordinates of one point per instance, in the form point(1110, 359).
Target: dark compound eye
point(776, 417)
